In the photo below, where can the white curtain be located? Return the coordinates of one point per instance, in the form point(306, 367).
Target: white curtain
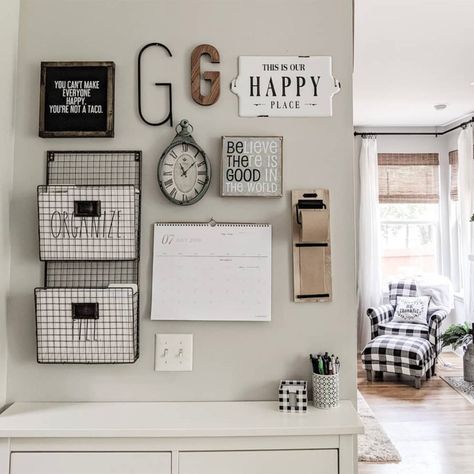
point(466, 210)
point(369, 289)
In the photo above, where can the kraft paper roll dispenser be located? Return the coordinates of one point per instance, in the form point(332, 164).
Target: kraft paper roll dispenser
point(311, 246)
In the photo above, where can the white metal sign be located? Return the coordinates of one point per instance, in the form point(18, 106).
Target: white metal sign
point(285, 86)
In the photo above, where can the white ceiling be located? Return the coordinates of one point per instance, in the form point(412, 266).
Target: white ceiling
point(409, 56)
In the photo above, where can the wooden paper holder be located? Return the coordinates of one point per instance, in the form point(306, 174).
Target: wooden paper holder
point(311, 246)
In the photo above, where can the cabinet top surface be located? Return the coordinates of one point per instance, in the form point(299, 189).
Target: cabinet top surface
point(172, 419)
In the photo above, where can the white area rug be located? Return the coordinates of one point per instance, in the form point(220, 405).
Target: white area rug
point(375, 445)
point(466, 389)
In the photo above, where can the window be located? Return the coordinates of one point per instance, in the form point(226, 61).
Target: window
point(409, 212)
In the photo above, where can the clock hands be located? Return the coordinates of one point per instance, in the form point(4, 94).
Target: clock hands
point(185, 172)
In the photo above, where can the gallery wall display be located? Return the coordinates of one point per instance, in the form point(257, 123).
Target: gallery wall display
point(184, 171)
point(213, 77)
point(168, 85)
point(252, 166)
point(77, 99)
point(312, 280)
point(285, 86)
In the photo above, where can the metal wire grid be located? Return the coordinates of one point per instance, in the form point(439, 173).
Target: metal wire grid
point(109, 232)
point(90, 274)
point(94, 168)
point(111, 338)
point(114, 336)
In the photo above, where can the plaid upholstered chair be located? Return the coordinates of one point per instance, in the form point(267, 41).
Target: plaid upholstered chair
point(402, 348)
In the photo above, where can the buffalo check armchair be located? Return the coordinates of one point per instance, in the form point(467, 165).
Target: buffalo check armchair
point(382, 325)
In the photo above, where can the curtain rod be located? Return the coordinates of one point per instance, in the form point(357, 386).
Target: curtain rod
point(432, 134)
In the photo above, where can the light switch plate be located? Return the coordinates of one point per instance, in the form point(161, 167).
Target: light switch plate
point(173, 352)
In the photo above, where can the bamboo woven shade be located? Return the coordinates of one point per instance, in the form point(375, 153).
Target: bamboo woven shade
point(453, 175)
point(408, 177)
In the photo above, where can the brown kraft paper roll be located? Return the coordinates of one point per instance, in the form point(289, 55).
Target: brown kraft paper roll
point(315, 225)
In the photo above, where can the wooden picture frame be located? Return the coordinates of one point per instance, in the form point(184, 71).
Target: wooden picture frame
point(244, 174)
point(68, 108)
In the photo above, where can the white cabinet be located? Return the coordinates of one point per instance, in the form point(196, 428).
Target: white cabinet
point(90, 463)
point(176, 438)
point(314, 461)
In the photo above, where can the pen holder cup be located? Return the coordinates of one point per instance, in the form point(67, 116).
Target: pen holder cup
point(325, 391)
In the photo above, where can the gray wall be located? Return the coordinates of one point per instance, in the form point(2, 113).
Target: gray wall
point(9, 25)
point(232, 361)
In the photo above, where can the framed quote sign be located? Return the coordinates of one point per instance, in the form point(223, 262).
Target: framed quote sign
point(285, 86)
point(77, 99)
point(252, 166)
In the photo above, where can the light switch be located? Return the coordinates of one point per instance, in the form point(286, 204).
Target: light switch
point(173, 352)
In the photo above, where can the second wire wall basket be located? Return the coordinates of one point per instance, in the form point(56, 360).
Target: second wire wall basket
point(89, 235)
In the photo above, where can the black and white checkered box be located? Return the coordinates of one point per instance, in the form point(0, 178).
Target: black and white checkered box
point(293, 395)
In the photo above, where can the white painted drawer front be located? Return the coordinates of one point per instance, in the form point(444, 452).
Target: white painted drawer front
point(91, 463)
point(259, 462)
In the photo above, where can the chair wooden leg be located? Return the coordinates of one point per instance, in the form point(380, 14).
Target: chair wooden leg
point(418, 382)
point(370, 376)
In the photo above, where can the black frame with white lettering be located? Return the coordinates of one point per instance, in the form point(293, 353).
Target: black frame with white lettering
point(89, 125)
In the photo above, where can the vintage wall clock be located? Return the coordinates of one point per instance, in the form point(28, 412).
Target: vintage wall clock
point(184, 171)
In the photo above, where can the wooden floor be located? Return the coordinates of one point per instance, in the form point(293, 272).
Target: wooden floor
point(432, 428)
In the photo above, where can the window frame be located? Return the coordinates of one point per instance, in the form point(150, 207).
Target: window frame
point(413, 159)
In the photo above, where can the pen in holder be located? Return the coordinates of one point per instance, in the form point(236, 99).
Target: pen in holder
point(325, 390)
point(325, 380)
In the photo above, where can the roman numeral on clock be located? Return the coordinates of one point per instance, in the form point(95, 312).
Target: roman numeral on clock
point(201, 163)
point(202, 173)
point(173, 193)
point(173, 154)
point(168, 183)
point(185, 146)
point(201, 182)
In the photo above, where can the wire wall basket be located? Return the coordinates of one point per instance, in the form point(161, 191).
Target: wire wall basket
point(89, 236)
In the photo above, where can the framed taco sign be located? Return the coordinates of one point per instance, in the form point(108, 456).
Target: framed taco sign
point(285, 86)
point(77, 99)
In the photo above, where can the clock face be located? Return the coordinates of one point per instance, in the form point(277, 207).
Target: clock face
point(184, 173)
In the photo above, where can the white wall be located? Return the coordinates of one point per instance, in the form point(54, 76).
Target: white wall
point(9, 24)
point(232, 361)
